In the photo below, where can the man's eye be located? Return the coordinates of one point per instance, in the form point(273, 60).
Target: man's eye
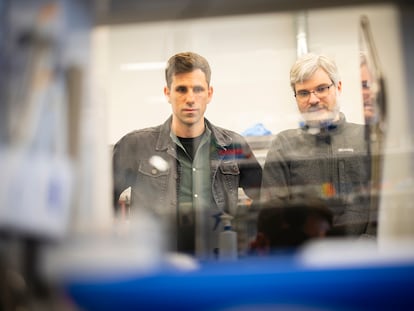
point(181, 89)
point(198, 89)
point(303, 93)
point(365, 84)
point(321, 89)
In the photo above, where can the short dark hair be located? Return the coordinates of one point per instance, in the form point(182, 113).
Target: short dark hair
point(186, 62)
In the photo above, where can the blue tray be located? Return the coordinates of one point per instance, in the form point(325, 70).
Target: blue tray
point(252, 284)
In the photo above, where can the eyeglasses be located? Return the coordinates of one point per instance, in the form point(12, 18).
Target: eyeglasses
point(320, 92)
point(365, 85)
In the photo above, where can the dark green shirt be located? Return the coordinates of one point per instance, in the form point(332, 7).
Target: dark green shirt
point(194, 189)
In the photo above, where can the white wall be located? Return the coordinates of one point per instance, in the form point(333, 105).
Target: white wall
point(250, 58)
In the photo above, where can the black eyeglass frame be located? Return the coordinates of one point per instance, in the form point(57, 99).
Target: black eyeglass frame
point(308, 93)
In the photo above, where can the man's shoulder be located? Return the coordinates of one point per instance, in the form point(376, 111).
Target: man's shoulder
point(229, 132)
point(289, 134)
point(145, 130)
point(289, 138)
point(141, 134)
point(225, 131)
point(354, 127)
point(224, 135)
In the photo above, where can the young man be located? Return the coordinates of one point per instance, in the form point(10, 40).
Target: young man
point(187, 170)
point(327, 156)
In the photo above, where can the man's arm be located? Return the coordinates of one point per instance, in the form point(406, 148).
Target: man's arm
point(275, 174)
point(250, 173)
point(122, 168)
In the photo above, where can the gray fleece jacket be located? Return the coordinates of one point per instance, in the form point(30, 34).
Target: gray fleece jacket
point(333, 164)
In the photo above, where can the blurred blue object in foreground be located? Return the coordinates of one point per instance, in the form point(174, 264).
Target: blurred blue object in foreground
point(257, 130)
point(267, 284)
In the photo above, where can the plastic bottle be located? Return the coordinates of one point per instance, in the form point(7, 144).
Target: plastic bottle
point(227, 240)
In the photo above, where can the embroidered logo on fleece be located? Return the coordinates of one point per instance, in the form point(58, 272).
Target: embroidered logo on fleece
point(328, 190)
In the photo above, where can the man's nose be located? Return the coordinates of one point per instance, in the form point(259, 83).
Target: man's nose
point(313, 99)
point(190, 96)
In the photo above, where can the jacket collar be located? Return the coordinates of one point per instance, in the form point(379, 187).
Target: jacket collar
point(221, 138)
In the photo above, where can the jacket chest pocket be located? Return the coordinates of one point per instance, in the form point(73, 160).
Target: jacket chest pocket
point(150, 170)
point(230, 173)
point(150, 178)
point(229, 169)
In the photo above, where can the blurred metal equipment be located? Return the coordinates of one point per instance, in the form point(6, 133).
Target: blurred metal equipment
point(301, 33)
point(36, 160)
point(375, 127)
point(396, 212)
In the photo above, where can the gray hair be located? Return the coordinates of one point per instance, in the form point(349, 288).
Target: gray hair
point(307, 65)
point(363, 58)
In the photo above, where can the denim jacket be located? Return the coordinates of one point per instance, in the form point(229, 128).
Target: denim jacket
point(146, 161)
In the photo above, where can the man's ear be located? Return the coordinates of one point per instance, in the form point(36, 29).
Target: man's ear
point(167, 93)
point(339, 86)
point(210, 93)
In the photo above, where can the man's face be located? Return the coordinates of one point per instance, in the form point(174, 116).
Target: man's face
point(321, 103)
point(189, 95)
point(367, 94)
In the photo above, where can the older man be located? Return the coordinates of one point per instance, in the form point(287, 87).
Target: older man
point(327, 156)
